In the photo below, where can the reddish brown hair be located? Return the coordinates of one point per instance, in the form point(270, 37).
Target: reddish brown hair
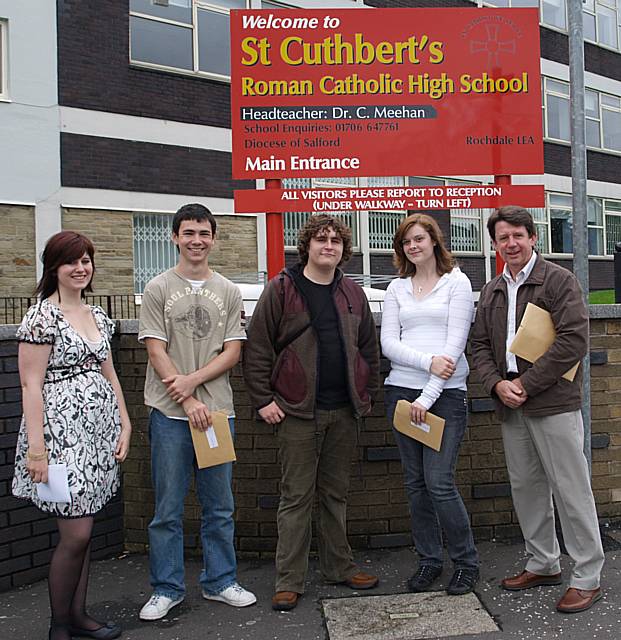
point(63, 248)
point(444, 259)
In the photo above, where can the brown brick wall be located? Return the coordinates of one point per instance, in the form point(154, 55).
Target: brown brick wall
point(235, 252)
point(377, 512)
point(18, 266)
point(112, 235)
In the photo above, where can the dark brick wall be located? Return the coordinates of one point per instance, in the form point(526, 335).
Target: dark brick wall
point(94, 71)
point(27, 535)
point(600, 166)
point(474, 268)
point(107, 163)
point(601, 272)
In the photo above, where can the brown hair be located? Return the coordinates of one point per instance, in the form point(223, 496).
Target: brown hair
point(513, 215)
point(444, 259)
point(63, 248)
point(318, 224)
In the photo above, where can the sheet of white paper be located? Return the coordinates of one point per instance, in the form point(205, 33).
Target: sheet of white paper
point(211, 437)
point(56, 489)
point(423, 426)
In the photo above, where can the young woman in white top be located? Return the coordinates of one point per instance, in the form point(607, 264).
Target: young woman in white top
point(426, 319)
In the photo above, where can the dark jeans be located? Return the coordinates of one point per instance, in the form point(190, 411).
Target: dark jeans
point(435, 503)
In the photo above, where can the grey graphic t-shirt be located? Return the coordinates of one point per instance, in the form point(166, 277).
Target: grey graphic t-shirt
point(195, 322)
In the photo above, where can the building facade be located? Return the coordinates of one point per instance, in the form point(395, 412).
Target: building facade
point(114, 114)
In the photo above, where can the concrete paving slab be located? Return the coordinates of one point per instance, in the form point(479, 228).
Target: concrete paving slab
point(406, 616)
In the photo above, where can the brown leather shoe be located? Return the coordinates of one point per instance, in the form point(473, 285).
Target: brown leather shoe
point(526, 580)
point(362, 580)
point(576, 600)
point(285, 600)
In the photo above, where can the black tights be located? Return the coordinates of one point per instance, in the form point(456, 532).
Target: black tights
point(68, 579)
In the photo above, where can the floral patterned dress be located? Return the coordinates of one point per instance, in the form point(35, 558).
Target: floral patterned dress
point(81, 422)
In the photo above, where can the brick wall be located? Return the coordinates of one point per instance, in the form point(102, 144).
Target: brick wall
point(235, 251)
point(17, 256)
point(27, 535)
point(112, 235)
point(377, 513)
point(107, 163)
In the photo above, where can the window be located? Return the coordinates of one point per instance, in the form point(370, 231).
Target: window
point(295, 220)
point(601, 18)
point(602, 115)
point(188, 36)
point(556, 109)
point(153, 250)
point(541, 227)
point(560, 239)
point(3, 60)
point(611, 122)
point(382, 225)
point(612, 215)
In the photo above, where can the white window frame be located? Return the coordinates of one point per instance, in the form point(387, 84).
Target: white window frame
point(608, 4)
point(205, 5)
point(604, 4)
point(611, 209)
point(4, 61)
point(326, 183)
point(546, 92)
point(568, 207)
point(357, 216)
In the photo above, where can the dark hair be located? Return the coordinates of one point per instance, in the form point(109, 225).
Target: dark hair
point(318, 224)
point(196, 212)
point(513, 215)
point(63, 248)
point(444, 259)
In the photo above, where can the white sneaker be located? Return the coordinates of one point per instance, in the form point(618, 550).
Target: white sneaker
point(158, 606)
point(235, 595)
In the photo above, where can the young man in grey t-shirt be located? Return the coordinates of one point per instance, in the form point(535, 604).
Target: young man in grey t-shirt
point(191, 322)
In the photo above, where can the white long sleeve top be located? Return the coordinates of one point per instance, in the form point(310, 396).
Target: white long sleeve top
point(413, 331)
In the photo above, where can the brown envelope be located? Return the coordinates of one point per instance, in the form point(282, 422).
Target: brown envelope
point(535, 336)
point(214, 446)
point(429, 433)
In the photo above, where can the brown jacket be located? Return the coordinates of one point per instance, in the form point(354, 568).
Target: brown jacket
point(281, 353)
point(556, 290)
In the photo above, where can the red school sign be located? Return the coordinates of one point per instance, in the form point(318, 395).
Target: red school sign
point(372, 92)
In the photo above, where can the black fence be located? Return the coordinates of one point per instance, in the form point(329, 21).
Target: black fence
point(118, 307)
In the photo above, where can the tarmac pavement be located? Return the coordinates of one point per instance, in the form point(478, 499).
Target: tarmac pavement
point(120, 586)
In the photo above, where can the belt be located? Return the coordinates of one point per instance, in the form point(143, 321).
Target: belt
point(512, 375)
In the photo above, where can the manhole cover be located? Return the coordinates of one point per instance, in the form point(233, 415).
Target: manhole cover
point(408, 616)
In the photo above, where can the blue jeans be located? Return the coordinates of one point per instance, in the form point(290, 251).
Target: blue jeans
point(172, 463)
point(435, 503)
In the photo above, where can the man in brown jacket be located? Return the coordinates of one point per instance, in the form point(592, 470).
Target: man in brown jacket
point(540, 410)
point(311, 365)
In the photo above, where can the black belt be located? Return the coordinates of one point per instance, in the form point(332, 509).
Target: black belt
point(512, 375)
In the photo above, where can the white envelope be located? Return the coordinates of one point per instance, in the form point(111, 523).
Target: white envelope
point(56, 489)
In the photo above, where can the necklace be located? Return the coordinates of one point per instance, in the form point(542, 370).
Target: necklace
point(419, 290)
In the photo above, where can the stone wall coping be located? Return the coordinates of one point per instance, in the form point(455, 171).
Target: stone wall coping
point(604, 311)
point(130, 327)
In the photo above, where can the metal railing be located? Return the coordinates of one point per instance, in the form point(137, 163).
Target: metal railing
point(118, 307)
point(127, 306)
